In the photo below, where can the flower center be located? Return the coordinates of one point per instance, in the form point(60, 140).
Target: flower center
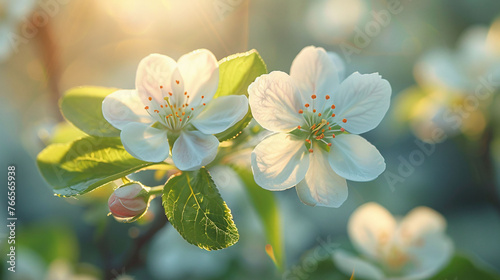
point(395, 258)
point(321, 124)
point(172, 113)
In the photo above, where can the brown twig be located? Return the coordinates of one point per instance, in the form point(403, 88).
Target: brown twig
point(49, 52)
point(135, 256)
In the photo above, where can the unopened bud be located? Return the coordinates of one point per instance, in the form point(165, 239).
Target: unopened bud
point(129, 201)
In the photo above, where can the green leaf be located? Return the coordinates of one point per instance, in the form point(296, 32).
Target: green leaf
point(195, 208)
point(82, 106)
point(267, 209)
point(460, 267)
point(236, 73)
point(66, 132)
point(80, 166)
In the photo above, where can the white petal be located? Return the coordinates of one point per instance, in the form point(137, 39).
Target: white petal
point(145, 142)
point(193, 149)
point(129, 191)
point(369, 226)
point(275, 102)
point(430, 257)
point(154, 70)
point(221, 113)
point(123, 107)
point(200, 71)
point(355, 159)
point(422, 233)
point(419, 222)
point(363, 101)
point(177, 83)
point(314, 72)
point(339, 65)
point(279, 162)
point(347, 263)
point(321, 185)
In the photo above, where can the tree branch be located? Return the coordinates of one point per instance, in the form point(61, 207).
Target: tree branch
point(136, 256)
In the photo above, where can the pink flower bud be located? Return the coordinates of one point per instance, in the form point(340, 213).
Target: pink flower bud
point(128, 201)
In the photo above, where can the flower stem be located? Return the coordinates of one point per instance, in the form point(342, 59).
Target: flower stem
point(154, 191)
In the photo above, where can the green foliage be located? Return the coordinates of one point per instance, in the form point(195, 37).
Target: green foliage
point(82, 106)
point(80, 166)
point(195, 208)
point(50, 241)
point(460, 267)
point(267, 209)
point(66, 132)
point(236, 73)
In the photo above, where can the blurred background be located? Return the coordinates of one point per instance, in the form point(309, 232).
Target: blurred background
point(49, 46)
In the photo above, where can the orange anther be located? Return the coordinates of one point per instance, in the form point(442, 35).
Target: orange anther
point(344, 120)
point(314, 110)
point(177, 81)
point(185, 93)
point(333, 115)
point(150, 98)
point(307, 105)
point(327, 97)
point(310, 150)
point(298, 127)
point(161, 86)
point(313, 96)
point(333, 106)
point(342, 129)
point(329, 144)
point(204, 104)
point(203, 96)
point(147, 107)
point(319, 114)
point(300, 111)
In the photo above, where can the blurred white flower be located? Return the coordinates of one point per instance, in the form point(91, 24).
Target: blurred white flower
point(11, 14)
point(415, 247)
point(316, 116)
point(459, 71)
point(61, 269)
point(455, 86)
point(332, 21)
point(173, 102)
